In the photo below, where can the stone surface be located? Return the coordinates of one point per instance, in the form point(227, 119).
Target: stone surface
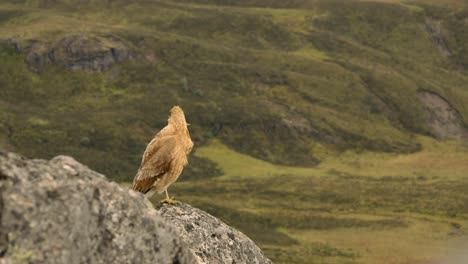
point(59, 211)
point(442, 118)
point(78, 52)
point(434, 29)
point(210, 239)
point(10, 46)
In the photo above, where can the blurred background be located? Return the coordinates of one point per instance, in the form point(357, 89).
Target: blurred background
point(328, 131)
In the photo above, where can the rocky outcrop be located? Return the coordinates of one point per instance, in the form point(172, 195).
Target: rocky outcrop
point(77, 52)
point(59, 211)
point(210, 239)
point(434, 29)
point(9, 46)
point(443, 119)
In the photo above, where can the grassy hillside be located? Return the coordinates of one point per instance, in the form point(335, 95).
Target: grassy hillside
point(309, 133)
point(356, 208)
point(287, 84)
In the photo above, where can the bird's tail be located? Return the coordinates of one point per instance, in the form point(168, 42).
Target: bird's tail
point(142, 183)
point(135, 180)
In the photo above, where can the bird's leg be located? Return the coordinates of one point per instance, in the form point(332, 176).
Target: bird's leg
point(168, 200)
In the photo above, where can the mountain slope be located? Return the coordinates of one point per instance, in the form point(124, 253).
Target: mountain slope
point(322, 128)
point(290, 83)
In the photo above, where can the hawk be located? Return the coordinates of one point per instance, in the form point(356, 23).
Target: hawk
point(165, 157)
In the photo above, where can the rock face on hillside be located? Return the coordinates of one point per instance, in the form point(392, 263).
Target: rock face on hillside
point(210, 239)
point(77, 52)
point(59, 211)
point(443, 119)
point(434, 29)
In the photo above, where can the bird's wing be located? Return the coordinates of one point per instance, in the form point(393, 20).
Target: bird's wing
point(162, 137)
point(155, 163)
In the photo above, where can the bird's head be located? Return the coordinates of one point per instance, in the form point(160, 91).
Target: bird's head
point(177, 118)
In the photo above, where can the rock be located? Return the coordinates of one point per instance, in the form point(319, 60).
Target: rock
point(442, 118)
point(79, 52)
point(59, 211)
point(6, 46)
point(434, 29)
point(210, 239)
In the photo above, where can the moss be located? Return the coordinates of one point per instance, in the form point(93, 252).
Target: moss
point(20, 255)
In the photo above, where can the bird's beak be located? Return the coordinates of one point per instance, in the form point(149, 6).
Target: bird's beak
point(188, 124)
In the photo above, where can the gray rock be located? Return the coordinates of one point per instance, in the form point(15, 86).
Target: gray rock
point(8, 46)
point(434, 29)
point(443, 119)
point(210, 239)
point(59, 211)
point(79, 52)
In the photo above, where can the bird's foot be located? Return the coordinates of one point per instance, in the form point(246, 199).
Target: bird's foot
point(170, 201)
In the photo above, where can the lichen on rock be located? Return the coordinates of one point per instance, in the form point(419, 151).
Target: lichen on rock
point(211, 240)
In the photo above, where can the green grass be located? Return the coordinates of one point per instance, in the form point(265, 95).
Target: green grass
point(287, 84)
point(237, 166)
point(308, 133)
point(355, 208)
point(437, 159)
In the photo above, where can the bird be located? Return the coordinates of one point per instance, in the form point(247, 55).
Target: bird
point(165, 157)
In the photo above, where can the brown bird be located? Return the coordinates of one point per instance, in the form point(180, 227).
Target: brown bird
point(165, 157)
